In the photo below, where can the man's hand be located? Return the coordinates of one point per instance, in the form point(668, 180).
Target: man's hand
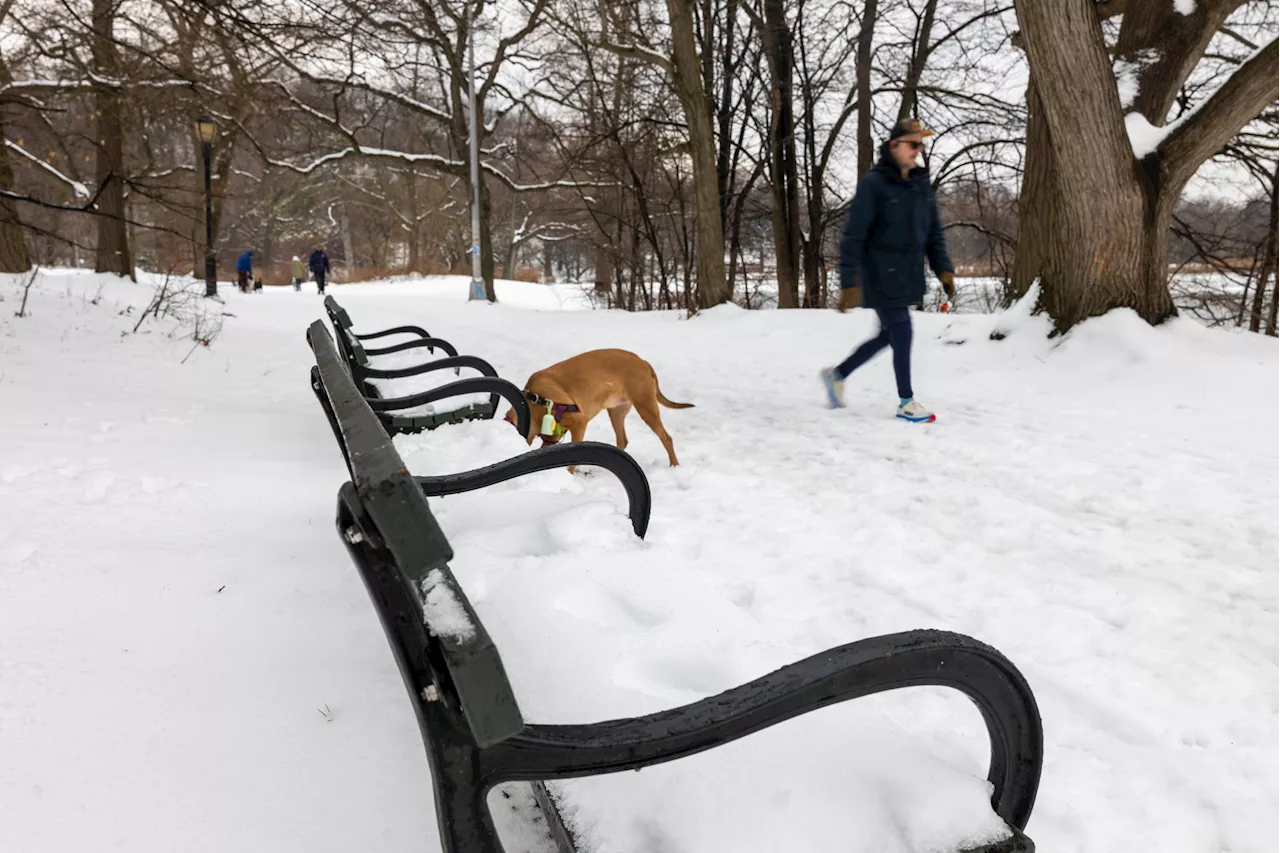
point(949, 284)
point(850, 297)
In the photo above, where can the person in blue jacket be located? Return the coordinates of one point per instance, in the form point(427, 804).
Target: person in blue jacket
point(244, 271)
point(319, 265)
point(891, 228)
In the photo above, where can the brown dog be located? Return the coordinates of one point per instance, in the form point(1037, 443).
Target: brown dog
point(579, 388)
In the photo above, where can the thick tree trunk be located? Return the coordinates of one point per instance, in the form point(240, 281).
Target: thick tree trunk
point(784, 187)
point(1094, 217)
point(486, 240)
point(712, 288)
point(113, 236)
point(866, 35)
point(13, 242)
point(1102, 233)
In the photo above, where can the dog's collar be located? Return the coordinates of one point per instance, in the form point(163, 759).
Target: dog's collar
point(558, 408)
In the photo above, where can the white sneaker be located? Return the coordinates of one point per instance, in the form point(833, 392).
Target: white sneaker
point(916, 413)
point(833, 386)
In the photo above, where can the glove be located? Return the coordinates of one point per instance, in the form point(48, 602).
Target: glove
point(949, 284)
point(850, 297)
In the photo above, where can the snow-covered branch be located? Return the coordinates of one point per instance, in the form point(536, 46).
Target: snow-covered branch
point(78, 188)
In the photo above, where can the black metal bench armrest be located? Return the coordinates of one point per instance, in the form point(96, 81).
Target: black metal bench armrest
point(471, 385)
point(397, 330)
point(911, 659)
point(594, 453)
point(430, 344)
point(456, 362)
point(367, 372)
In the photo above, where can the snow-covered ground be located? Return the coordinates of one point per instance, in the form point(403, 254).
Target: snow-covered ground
point(188, 659)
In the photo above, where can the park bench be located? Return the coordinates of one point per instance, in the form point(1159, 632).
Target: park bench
point(468, 715)
point(393, 412)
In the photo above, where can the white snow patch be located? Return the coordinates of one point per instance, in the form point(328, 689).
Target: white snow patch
point(1129, 74)
point(1184, 7)
point(443, 612)
point(1020, 315)
point(1143, 135)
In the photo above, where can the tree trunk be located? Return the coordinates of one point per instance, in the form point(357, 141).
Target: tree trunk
point(113, 237)
point(1094, 218)
point(415, 233)
point(919, 58)
point(1105, 248)
point(1268, 267)
point(13, 243)
point(348, 244)
point(784, 187)
point(486, 240)
point(712, 289)
point(1035, 201)
point(866, 34)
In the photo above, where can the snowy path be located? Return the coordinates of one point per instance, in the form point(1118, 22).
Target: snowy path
point(1098, 510)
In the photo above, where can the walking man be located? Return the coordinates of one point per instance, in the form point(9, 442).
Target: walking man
point(244, 271)
point(319, 264)
point(892, 226)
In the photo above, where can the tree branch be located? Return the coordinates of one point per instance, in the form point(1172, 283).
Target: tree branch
point(1206, 130)
point(642, 54)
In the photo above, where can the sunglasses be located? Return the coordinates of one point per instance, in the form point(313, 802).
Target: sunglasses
point(915, 146)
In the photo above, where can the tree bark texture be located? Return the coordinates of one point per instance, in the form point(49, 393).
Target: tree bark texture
point(866, 35)
point(113, 253)
point(785, 184)
point(712, 288)
point(13, 244)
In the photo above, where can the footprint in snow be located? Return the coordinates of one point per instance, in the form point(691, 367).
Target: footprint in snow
point(13, 475)
point(17, 556)
point(675, 679)
point(607, 609)
point(97, 488)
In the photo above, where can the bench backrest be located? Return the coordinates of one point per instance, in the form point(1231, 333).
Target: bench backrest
point(393, 517)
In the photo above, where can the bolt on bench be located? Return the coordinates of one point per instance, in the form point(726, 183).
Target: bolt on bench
point(470, 721)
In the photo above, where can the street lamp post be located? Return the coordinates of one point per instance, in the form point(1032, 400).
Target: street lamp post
point(477, 278)
point(207, 131)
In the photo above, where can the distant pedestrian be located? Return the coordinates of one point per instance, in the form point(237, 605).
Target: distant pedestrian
point(319, 264)
point(892, 227)
point(244, 271)
point(299, 273)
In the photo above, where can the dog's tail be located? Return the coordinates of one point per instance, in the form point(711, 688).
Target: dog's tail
point(662, 397)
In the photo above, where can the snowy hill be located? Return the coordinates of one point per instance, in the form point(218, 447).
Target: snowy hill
point(188, 658)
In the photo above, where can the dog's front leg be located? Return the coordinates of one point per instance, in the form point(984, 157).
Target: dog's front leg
point(577, 429)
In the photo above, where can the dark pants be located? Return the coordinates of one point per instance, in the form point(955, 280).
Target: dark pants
point(242, 279)
point(895, 332)
point(320, 274)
